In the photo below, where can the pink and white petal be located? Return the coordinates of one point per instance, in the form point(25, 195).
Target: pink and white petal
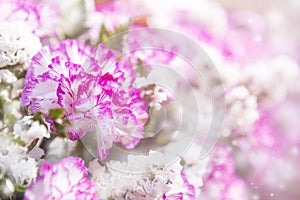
point(62, 180)
point(77, 51)
point(105, 136)
point(104, 144)
point(43, 96)
point(106, 59)
point(36, 191)
point(129, 142)
point(75, 169)
point(80, 125)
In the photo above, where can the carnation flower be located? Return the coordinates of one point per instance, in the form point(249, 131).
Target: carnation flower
point(94, 90)
point(66, 179)
point(116, 13)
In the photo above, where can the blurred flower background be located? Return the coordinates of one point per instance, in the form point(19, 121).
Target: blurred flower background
point(63, 79)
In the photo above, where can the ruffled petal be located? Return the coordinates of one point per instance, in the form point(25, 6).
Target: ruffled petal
point(62, 180)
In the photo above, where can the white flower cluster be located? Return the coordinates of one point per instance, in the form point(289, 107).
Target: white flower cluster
point(269, 79)
point(142, 177)
point(17, 44)
point(241, 103)
point(18, 157)
point(241, 110)
point(17, 164)
point(17, 161)
point(264, 82)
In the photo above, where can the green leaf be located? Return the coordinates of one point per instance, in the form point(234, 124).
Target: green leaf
point(107, 37)
point(60, 128)
point(56, 113)
point(37, 116)
point(19, 141)
point(10, 119)
point(20, 188)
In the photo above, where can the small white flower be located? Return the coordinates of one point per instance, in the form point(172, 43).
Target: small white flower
point(147, 177)
point(270, 79)
point(24, 170)
point(17, 44)
point(29, 130)
point(18, 165)
point(241, 110)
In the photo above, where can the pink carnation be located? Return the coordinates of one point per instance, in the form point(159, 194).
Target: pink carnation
point(66, 179)
point(93, 89)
